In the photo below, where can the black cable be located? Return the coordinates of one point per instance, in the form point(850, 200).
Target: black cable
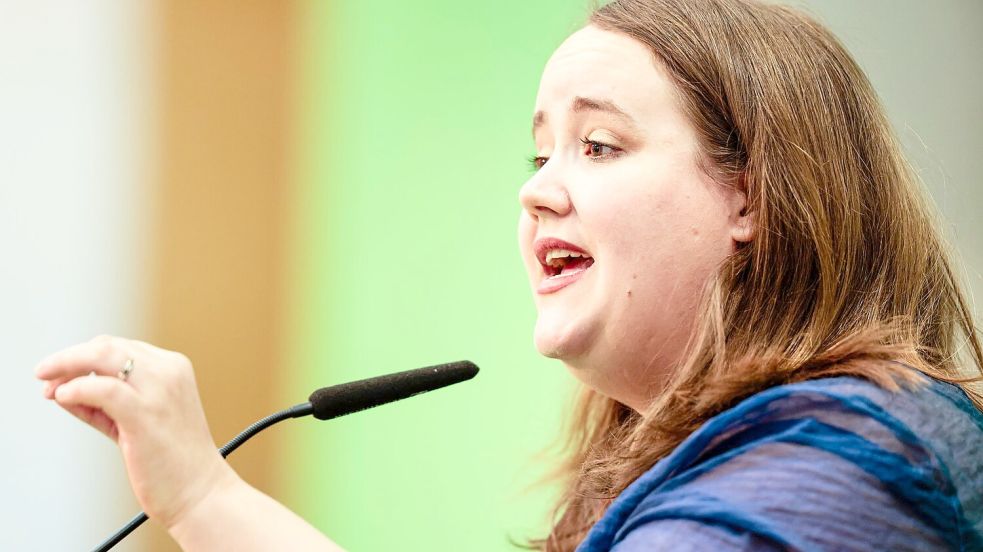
point(300, 410)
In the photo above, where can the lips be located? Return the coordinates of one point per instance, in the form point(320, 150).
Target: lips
point(563, 263)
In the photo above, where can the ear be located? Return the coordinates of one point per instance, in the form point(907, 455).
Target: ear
point(741, 218)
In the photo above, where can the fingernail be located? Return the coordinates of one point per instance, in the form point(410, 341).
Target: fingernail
point(46, 388)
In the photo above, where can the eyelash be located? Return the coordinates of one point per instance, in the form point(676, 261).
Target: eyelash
point(537, 162)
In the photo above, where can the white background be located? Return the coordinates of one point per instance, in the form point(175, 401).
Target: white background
point(74, 93)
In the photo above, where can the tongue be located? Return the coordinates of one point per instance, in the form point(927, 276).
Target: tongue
point(576, 264)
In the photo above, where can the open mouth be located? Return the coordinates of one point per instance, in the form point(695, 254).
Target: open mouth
point(563, 262)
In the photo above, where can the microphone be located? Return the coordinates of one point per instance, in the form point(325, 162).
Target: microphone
point(347, 398)
point(338, 400)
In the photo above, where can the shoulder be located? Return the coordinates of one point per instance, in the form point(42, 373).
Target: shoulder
point(837, 463)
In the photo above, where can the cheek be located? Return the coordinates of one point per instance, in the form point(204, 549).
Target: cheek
point(671, 234)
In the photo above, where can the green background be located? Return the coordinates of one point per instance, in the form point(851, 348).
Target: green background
point(415, 129)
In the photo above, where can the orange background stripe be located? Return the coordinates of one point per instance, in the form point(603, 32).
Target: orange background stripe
point(221, 195)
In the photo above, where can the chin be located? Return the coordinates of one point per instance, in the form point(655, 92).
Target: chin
point(565, 341)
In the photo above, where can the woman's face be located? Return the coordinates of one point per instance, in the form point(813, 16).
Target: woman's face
point(619, 227)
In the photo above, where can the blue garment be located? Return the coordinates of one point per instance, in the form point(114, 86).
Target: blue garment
point(830, 464)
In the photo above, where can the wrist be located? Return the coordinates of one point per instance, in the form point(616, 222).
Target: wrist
point(214, 495)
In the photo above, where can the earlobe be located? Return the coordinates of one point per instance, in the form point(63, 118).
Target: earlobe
point(742, 227)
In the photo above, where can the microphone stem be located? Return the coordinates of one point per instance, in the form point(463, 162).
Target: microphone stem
point(296, 411)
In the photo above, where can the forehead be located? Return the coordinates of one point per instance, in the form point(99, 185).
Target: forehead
point(596, 63)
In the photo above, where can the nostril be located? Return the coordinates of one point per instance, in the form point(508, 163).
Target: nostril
point(532, 214)
point(553, 205)
point(545, 195)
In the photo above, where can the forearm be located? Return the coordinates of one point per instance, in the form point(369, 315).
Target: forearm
point(236, 516)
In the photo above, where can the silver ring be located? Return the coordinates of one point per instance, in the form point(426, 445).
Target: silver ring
point(124, 374)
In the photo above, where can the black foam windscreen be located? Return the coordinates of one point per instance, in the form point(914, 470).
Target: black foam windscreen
point(338, 400)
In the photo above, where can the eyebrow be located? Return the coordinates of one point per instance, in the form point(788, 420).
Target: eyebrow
point(580, 105)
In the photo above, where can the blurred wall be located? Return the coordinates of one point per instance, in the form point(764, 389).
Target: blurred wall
point(224, 118)
point(75, 89)
point(923, 58)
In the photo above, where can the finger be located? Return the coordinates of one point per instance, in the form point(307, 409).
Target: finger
point(48, 387)
point(95, 418)
point(69, 361)
point(105, 355)
point(115, 398)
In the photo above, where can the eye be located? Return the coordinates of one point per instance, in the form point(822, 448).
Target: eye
point(598, 150)
point(536, 162)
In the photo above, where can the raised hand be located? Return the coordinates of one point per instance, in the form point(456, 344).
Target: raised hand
point(153, 412)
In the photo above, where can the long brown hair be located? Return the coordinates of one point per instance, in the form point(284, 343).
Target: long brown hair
point(846, 275)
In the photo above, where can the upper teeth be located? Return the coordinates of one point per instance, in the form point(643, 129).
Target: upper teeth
point(554, 254)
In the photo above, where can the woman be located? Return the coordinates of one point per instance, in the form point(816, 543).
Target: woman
point(726, 247)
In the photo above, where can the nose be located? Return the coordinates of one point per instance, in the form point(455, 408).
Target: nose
point(545, 195)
